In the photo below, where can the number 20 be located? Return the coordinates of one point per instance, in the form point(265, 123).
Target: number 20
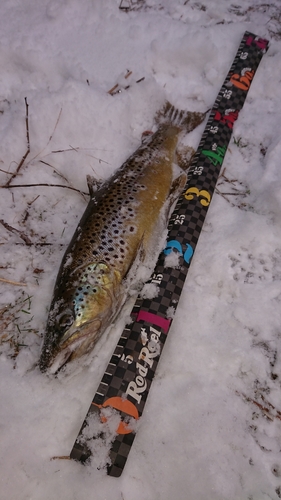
point(176, 244)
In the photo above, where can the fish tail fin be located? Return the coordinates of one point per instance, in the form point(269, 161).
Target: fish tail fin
point(186, 120)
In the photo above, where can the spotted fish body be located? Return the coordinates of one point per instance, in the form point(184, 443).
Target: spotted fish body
point(117, 231)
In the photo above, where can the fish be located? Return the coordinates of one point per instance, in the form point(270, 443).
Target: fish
point(118, 232)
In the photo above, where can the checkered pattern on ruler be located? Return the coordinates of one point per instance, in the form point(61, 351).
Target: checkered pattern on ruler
point(119, 453)
point(120, 372)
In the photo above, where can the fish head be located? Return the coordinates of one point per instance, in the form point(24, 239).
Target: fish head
point(83, 306)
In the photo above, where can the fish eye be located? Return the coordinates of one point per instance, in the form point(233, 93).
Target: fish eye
point(65, 320)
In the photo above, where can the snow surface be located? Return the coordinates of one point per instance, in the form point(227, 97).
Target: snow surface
point(211, 426)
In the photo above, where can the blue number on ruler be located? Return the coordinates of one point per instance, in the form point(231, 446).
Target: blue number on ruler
point(174, 244)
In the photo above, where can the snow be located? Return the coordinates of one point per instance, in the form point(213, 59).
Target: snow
point(211, 425)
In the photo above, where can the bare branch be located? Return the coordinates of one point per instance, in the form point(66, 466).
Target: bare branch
point(51, 136)
point(12, 229)
point(58, 119)
point(57, 172)
point(27, 150)
point(45, 185)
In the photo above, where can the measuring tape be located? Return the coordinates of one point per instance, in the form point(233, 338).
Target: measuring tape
point(126, 382)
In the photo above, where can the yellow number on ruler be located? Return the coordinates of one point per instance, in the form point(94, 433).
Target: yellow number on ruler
point(206, 197)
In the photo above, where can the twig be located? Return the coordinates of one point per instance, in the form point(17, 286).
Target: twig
point(78, 150)
point(222, 194)
point(126, 7)
point(5, 171)
point(12, 229)
point(62, 457)
point(231, 181)
point(58, 119)
point(30, 202)
point(111, 91)
point(132, 5)
point(57, 172)
point(264, 409)
point(90, 156)
point(3, 280)
point(62, 176)
point(27, 150)
point(45, 185)
point(50, 138)
point(235, 194)
point(43, 244)
point(117, 88)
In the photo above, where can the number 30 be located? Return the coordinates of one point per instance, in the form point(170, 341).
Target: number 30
point(206, 197)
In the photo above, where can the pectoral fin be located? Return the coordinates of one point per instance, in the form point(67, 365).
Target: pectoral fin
point(177, 188)
point(184, 155)
point(93, 185)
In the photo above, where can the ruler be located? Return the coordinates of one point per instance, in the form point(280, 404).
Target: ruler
point(126, 382)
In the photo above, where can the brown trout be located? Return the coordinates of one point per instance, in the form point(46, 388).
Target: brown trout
point(125, 216)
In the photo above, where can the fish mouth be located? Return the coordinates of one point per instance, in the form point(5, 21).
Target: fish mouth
point(75, 342)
